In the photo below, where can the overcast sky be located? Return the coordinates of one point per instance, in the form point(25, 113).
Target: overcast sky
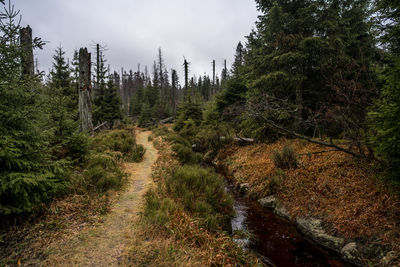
point(132, 30)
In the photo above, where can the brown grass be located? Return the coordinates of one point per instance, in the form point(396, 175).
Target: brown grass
point(64, 218)
point(332, 186)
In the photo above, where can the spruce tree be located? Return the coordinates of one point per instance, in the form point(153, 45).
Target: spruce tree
point(28, 175)
point(384, 115)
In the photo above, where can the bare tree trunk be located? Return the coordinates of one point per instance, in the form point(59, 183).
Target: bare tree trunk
point(186, 90)
point(213, 82)
point(27, 62)
point(85, 88)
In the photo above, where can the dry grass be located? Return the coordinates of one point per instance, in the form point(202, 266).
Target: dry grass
point(64, 218)
point(331, 186)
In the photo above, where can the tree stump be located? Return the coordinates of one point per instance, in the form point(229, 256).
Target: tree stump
point(85, 90)
point(27, 64)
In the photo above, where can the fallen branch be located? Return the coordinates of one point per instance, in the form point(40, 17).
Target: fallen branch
point(167, 120)
point(100, 127)
point(309, 139)
point(318, 152)
point(243, 140)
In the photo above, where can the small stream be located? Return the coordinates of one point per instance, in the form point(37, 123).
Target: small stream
point(275, 238)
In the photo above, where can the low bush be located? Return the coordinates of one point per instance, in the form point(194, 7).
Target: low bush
point(186, 155)
point(189, 116)
point(119, 141)
point(116, 140)
point(161, 130)
point(177, 139)
point(78, 147)
point(275, 181)
point(158, 210)
point(286, 159)
point(212, 138)
point(189, 128)
point(138, 153)
point(101, 174)
point(201, 191)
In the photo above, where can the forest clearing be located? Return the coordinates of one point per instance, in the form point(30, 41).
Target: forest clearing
point(282, 152)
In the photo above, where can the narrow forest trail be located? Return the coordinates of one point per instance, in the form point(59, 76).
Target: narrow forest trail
point(104, 245)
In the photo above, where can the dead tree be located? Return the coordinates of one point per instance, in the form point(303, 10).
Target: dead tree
point(85, 88)
point(186, 90)
point(27, 62)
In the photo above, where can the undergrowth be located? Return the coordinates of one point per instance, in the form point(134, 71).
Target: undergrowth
point(92, 182)
point(191, 213)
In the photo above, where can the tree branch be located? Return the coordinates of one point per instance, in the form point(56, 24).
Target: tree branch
point(300, 136)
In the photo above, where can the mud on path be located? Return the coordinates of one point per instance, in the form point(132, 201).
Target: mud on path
point(105, 244)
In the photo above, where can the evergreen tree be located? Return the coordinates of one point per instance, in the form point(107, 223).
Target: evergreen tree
point(62, 99)
point(309, 61)
point(100, 100)
point(384, 115)
point(239, 57)
point(28, 175)
point(111, 106)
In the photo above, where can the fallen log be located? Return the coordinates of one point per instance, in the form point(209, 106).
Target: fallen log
point(101, 127)
point(167, 120)
point(243, 140)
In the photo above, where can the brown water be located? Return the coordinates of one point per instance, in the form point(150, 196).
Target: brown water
point(277, 239)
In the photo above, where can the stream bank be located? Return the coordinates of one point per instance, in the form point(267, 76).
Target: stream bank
point(274, 237)
point(330, 198)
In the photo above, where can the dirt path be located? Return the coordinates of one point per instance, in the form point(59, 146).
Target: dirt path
point(104, 245)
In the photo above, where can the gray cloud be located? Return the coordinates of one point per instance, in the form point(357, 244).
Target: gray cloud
point(134, 29)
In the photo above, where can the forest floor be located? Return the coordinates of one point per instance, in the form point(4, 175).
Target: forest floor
point(104, 244)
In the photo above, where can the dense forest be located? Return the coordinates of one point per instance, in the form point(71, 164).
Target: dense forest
point(327, 72)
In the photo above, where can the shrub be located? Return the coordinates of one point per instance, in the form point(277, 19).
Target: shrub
point(212, 138)
point(158, 210)
point(116, 140)
point(188, 111)
point(186, 155)
point(275, 181)
point(119, 141)
point(201, 191)
point(78, 147)
point(189, 128)
point(161, 131)
point(101, 174)
point(177, 139)
point(138, 153)
point(286, 159)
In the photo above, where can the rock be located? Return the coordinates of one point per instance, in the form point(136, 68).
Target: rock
point(268, 202)
point(243, 188)
point(281, 211)
point(350, 253)
point(313, 228)
point(388, 259)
